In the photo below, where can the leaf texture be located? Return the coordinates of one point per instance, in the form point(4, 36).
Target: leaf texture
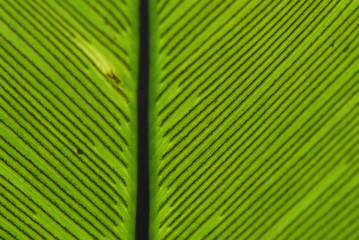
point(68, 79)
point(254, 119)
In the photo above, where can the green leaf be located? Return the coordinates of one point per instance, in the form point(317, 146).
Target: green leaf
point(254, 119)
point(68, 79)
point(254, 123)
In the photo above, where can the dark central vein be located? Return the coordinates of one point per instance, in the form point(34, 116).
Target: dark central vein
point(142, 215)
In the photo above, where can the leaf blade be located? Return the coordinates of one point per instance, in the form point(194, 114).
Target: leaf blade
point(243, 94)
point(68, 116)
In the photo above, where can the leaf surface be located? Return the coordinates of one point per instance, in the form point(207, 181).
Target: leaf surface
point(68, 79)
point(254, 119)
